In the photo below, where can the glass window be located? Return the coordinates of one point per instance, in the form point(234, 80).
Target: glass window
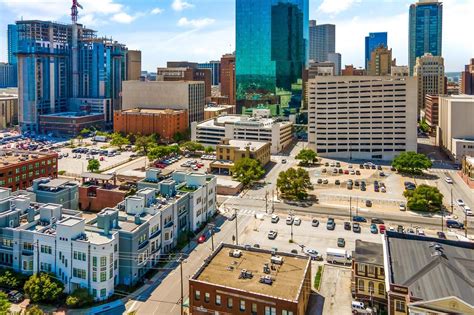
point(218, 299)
point(254, 308)
point(103, 276)
point(207, 297)
point(372, 270)
point(230, 302)
point(242, 305)
point(103, 292)
point(399, 306)
point(371, 286)
point(197, 295)
point(360, 268)
point(361, 285)
point(381, 289)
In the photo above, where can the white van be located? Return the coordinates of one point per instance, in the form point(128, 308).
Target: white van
point(336, 255)
point(358, 306)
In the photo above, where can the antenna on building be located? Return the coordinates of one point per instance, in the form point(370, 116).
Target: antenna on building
point(74, 11)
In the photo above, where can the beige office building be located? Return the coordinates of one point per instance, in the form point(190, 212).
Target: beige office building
point(429, 72)
point(362, 117)
point(380, 61)
point(8, 110)
point(456, 128)
point(188, 95)
point(134, 64)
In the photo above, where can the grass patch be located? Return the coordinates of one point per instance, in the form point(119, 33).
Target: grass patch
point(317, 278)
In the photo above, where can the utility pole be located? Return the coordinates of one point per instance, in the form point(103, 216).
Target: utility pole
point(236, 229)
point(212, 236)
point(465, 224)
point(266, 201)
point(350, 208)
point(273, 201)
point(442, 218)
point(452, 205)
point(291, 226)
point(182, 290)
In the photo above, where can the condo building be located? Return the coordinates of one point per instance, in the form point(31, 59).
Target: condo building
point(362, 117)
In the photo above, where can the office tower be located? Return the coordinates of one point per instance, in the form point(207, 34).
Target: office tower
point(8, 75)
point(467, 79)
point(228, 77)
point(271, 48)
point(429, 71)
point(346, 116)
point(185, 71)
point(335, 58)
point(380, 62)
point(12, 43)
point(215, 67)
point(373, 41)
point(425, 30)
point(325, 41)
point(66, 72)
point(134, 64)
point(312, 40)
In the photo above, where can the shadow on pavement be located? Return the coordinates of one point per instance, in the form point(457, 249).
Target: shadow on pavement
point(315, 304)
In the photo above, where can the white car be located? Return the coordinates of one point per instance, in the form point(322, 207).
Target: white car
point(289, 220)
point(468, 210)
point(448, 180)
point(421, 232)
point(460, 202)
point(297, 221)
point(313, 254)
point(402, 207)
point(275, 218)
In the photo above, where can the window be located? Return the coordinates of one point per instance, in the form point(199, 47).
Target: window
point(254, 308)
point(371, 270)
point(285, 312)
point(230, 302)
point(399, 306)
point(361, 285)
point(94, 276)
point(79, 273)
point(360, 268)
point(270, 310)
point(218, 299)
point(103, 276)
point(381, 289)
point(94, 293)
point(79, 256)
point(207, 297)
point(103, 292)
point(94, 261)
point(46, 249)
point(371, 287)
point(103, 261)
point(242, 305)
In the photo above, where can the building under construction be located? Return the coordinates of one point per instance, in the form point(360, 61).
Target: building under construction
point(66, 68)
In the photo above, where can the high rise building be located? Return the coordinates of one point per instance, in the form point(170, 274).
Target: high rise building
point(215, 67)
point(467, 79)
point(12, 43)
point(325, 41)
point(228, 77)
point(66, 70)
point(429, 71)
point(380, 62)
point(8, 75)
point(425, 30)
point(134, 64)
point(186, 71)
point(312, 40)
point(373, 41)
point(271, 47)
point(335, 58)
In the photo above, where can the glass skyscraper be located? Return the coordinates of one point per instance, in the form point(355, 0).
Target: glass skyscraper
point(312, 40)
point(325, 41)
point(271, 47)
point(12, 43)
point(425, 30)
point(373, 41)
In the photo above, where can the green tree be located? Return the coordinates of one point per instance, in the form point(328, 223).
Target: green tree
point(79, 138)
point(85, 132)
point(143, 143)
point(411, 162)
point(158, 152)
point(293, 184)
point(307, 156)
point(4, 303)
point(93, 166)
point(247, 171)
point(424, 198)
point(34, 310)
point(424, 125)
point(178, 137)
point(43, 287)
point(11, 280)
point(118, 140)
point(79, 298)
point(192, 146)
point(209, 150)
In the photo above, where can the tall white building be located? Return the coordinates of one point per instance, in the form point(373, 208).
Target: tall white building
point(362, 117)
point(429, 72)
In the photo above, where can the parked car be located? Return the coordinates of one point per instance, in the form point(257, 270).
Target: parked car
point(374, 229)
point(337, 182)
point(441, 235)
point(357, 172)
point(347, 226)
point(272, 235)
point(331, 225)
point(402, 207)
point(356, 227)
point(460, 202)
point(325, 181)
point(448, 180)
point(368, 203)
point(400, 229)
point(315, 222)
point(467, 210)
point(454, 224)
point(202, 239)
point(289, 220)
point(15, 296)
point(313, 254)
point(297, 221)
point(382, 229)
point(275, 218)
point(320, 181)
point(377, 221)
point(341, 242)
point(358, 218)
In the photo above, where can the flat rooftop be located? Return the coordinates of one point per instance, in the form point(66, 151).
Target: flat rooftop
point(72, 114)
point(368, 253)
point(55, 183)
point(217, 108)
point(242, 144)
point(223, 270)
point(13, 157)
point(153, 111)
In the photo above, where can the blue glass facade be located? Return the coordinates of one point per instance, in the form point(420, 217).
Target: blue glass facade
point(373, 41)
point(425, 30)
point(272, 43)
point(215, 67)
point(12, 43)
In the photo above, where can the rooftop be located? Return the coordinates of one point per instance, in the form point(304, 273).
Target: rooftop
point(153, 111)
point(215, 108)
point(221, 121)
point(224, 270)
point(97, 176)
point(368, 253)
point(431, 268)
point(55, 183)
point(72, 114)
point(243, 144)
point(13, 156)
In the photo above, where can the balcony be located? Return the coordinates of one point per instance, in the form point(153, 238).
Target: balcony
point(143, 245)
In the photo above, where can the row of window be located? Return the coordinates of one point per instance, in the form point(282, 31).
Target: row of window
point(371, 287)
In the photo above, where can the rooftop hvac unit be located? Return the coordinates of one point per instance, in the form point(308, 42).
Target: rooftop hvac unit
point(266, 280)
point(277, 260)
point(245, 274)
point(236, 253)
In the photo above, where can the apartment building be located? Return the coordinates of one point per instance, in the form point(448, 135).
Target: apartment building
point(249, 128)
point(429, 72)
point(99, 191)
point(57, 191)
point(362, 117)
point(238, 280)
point(380, 62)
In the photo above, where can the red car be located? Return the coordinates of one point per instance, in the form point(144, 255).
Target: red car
point(346, 172)
point(382, 229)
point(202, 239)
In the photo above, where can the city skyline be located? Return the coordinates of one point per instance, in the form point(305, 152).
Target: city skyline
point(208, 27)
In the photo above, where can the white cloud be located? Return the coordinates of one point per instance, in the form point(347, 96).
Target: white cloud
point(196, 23)
point(180, 5)
point(335, 6)
point(123, 17)
point(156, 11)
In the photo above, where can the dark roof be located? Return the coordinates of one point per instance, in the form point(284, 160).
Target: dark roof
point(368, 253)
point(432, 268)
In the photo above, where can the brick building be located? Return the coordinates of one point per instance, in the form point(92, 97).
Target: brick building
point(213, 110)
point(18, 169)
point(228, 77)
point(235, 280)
point(188, 73)
point(165, 122)
point(432, 110)
point(467, 79)
point(69, 123)
point(349, 70)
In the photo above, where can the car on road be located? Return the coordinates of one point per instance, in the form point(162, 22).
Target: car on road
point(256, 245)
point(232, 216)
point(283, 161)
point(460, 202)
point(202, 239)
point(467, 210)
point(272, 235)
point(377, 221)
point(313, 254)
point(356, 227)
point(341, 242)
point(420, 232)
point(315, 222)
point(373, 228)
point(294, 251)
point(382, 174)
point(275, 218)
point(368, 203)
point(402, 207)
point(337, 182)
point(325, 181)
point(441, 235)
point(297, 221)
point(358, 218)
point(320, 181)
point(400, 229)
point(331, 225)
point(289, 220)
point(454, 224)
point(382, 229)
point(449, 180)
point(347, 226)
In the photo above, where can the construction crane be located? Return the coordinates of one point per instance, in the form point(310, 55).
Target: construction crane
point(74, 11)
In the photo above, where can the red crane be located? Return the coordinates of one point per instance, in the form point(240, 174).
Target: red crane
point(74, 11)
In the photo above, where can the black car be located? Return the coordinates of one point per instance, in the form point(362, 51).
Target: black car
point(347, 226)
point(377, 221)
point(441, 235)
point(358, 218)
point(454, 224)
point(362, 188)
point(337, 182)
point(361, 166)
point(379, 167)
point(356, 227)
point(331, 225)
point(341, 242)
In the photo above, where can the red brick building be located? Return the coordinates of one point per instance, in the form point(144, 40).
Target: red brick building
point(18, 169)
point(432, 110)
point(467, 79)
point(235, 280)
point(349, 70)
point(165, 122)
point(71, 124)
point(228, 77)
point(99, 191)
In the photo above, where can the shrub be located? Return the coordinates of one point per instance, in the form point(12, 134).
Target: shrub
point(80, 297)
point(43, 287)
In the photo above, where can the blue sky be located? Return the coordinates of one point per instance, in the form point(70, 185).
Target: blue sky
point(202, 30)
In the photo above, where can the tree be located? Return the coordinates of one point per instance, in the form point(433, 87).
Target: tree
point(306, 156)
point(247, 171)
point(79, 138)
point(424, 125)
point(85, 132)
point(93, 166)
point(34, 310)
point(143, 143)
point(79, 298)
point(424, 198)
point(192, 146)
point(209, 150)
point(294, 183)
point(411, 162)
point(178, 137)
point(118, 140)
point(11, 279)
point(158, 152)
point(43, 288)
point(4, 303)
